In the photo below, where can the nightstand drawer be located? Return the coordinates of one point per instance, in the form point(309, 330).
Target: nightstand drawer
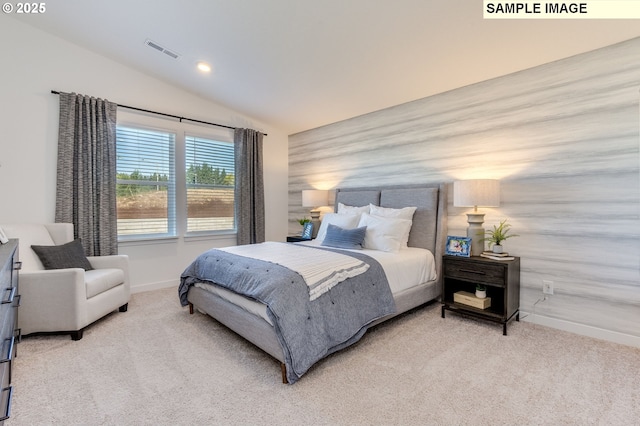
point(477, 273)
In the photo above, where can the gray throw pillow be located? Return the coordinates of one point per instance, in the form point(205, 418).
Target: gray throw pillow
point(344, 238)
point(69, 255)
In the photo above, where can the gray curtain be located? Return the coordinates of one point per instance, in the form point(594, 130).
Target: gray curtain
point(86, 182)
point(249, 189)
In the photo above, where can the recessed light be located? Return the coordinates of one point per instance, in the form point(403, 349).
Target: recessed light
point(204, 67)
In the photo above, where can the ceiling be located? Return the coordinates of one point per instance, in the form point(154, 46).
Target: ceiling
point(300, 64)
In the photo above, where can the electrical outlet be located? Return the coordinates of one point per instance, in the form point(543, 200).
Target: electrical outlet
point(547, 287)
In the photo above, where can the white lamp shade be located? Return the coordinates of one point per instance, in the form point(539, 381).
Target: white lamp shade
point(315, 197)
point(476, 193)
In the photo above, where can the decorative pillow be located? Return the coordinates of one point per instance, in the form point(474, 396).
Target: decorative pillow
point(346, 221)
point(344, 209)
point(403, 213)
point(344, 238)
point(69, 255)
point(384, 233)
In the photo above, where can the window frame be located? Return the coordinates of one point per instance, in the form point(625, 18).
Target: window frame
point(201, 233)
point(181, 130)
point(171, 185)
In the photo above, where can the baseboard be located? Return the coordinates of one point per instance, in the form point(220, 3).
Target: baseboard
point(581, 329)
point(154, 286)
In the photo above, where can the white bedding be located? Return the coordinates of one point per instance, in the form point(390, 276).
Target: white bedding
point(407, 268)
point(328, 269)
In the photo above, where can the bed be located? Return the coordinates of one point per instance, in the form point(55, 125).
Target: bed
point(349, 306)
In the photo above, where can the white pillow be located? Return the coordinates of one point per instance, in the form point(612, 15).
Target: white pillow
point(344, 209)
point(345, 221)
point(403, 213)
point(384, 233)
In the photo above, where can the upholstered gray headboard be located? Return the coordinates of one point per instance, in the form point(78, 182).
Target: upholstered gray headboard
point(429, 228)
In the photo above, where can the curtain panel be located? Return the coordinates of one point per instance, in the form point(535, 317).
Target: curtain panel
point(249, 186)
point(86, 172)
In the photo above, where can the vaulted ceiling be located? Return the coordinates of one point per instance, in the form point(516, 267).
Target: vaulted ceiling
point(300, 64)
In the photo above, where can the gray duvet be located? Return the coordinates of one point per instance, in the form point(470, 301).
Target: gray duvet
point(308, 330)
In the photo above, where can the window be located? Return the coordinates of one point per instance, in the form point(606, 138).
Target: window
point(171, 183)
point(210, 173)
point(146, 188)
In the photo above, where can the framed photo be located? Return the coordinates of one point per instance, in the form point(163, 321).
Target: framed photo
point(307, 231)
point(458, 246)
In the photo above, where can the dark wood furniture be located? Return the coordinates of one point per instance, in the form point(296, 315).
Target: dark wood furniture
point(296, 239)
point(9, 335)
point(500, 277)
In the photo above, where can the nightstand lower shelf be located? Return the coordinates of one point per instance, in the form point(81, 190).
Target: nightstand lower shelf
point(481, 314)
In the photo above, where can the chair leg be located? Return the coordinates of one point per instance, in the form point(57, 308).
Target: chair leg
point(77, 335)
point(124, 307)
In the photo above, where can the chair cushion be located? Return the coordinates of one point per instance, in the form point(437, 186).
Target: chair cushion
point(100, 280)
point(69, 255)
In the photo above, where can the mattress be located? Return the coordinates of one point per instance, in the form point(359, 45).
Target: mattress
point(408, 268)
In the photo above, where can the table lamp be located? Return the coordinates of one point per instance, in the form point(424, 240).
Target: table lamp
point(315, 198)
point(476, 193)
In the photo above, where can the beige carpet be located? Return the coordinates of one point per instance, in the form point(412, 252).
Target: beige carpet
point(158, 365)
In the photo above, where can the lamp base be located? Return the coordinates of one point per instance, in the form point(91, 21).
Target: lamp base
point(475, 231)
point(315, 220)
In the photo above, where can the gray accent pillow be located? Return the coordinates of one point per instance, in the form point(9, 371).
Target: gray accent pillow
point(344, 238)
point(69, 255)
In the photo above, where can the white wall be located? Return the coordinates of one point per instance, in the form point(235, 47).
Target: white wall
point(563, 138)
point(33, 64)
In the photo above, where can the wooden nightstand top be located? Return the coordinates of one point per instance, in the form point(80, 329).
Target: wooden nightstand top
point(480, 259)
point(296, 239)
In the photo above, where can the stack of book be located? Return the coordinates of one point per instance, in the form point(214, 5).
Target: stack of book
point(496, 256)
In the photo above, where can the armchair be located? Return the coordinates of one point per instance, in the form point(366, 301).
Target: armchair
point(65, 300)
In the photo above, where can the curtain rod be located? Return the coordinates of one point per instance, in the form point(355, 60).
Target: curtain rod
point(55, 92)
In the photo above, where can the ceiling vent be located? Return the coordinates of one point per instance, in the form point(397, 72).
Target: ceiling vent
point(159, 48)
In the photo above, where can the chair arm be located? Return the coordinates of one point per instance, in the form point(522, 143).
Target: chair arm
point(117, 261)
point(52, 300)
point(51, 285)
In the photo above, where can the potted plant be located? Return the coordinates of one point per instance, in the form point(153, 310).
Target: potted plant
point(303, 221)
point(498, 234)
point(481, 291)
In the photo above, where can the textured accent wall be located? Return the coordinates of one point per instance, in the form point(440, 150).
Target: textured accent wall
point(563, 138)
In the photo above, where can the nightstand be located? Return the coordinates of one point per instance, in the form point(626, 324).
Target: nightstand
point(500, 277)
point(296, 239)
